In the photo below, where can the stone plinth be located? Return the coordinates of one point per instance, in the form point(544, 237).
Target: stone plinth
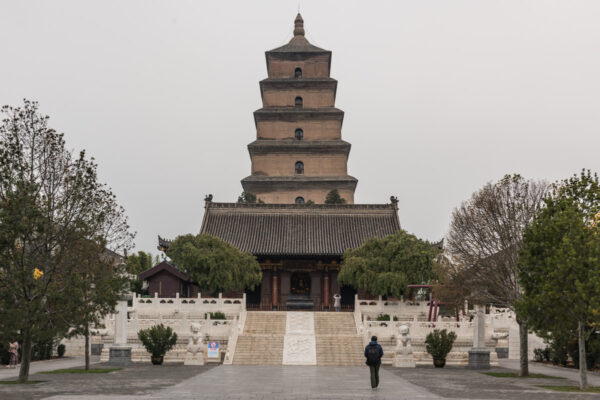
point(404, 361)
point(119, 355)
point(479, 358)
point(502, 352)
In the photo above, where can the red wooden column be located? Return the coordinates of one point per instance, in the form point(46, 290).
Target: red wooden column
point(325, 289)
point(274, 289)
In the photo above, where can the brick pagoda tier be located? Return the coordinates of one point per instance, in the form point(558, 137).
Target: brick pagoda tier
point(299, 154)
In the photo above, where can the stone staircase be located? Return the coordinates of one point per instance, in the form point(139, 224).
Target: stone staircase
point(261, 342)
point(334, 339)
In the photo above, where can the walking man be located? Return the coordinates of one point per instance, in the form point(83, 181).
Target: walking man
point(337, 299)
point(373, 353)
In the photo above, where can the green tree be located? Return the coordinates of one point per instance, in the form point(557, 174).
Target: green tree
point(387, 266)
point(333, 197)
point(214, 264)
point(97, 282)
point(51, 208)
point(560, 263)
point(141, 261)
point(135, 264)
point(248, 198)
point(483, 241)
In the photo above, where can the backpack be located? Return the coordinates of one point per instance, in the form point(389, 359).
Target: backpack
point(373, 354)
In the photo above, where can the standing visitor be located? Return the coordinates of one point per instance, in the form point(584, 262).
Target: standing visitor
point(373, 353)
point(13, 350)
point(337, 302)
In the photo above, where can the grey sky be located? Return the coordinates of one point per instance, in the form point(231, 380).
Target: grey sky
point(440, 96)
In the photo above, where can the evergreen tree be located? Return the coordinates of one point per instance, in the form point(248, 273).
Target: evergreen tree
point(560, 263)
point(333, 197)
point(214, 264)
point(387, 266)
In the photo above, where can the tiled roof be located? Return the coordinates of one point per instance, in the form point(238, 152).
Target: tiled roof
point(163, 266)
point(299, 230)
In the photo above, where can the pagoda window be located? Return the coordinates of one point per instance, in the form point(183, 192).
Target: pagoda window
point(299, 134)
point(299, 102)
point(299, 168)
point(299, 200)
point(298, 73)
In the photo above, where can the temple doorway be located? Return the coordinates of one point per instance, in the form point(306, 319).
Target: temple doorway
point(347, 293)
point(300, 283)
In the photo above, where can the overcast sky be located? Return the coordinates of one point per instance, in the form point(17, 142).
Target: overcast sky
point(440, 97)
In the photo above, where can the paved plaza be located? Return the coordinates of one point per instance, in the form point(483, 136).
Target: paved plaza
point(144, 381)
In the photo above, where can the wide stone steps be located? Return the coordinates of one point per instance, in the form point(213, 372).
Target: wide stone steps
point(334, 324)
point(265, 322)
point(264, 335)
point(259, 350)
point(339, 350)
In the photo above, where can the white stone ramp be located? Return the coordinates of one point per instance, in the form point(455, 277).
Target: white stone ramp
point(299, 344)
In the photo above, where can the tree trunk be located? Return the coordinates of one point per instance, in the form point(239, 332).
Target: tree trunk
point(582, 359)
point(87, 347)
point(523, 349)
point(25, 356)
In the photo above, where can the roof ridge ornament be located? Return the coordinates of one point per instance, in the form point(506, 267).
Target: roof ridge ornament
point(298, 26)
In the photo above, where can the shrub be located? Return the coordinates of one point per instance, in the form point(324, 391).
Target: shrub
point(60, 350)
point(158, 340)
point(439, 343)
point(538, 355)
point(383, 317)
point(42, 350)
point(395, 318)
point(216, 315)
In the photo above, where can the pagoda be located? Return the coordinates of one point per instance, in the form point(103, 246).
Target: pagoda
point(299, 155)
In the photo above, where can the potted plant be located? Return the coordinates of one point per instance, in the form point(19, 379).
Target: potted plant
point(158, 340)
point(438, 344)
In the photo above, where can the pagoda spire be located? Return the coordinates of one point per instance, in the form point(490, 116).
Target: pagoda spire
point(298, 26)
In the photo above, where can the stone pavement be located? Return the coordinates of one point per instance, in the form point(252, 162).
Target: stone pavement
point(138, 380)
point(548, 369)
point(283, 383)
point(145, 381)
point(47, 365)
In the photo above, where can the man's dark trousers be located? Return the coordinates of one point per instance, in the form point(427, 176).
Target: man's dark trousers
point(374, 375)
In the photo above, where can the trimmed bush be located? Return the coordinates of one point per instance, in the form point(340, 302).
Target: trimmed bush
point(439, 343)
point(216, 315)
point(383, 317)
point(158, 340)
point(60, 350)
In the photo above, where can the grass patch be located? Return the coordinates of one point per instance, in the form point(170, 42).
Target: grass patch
point(591, 389)
point(82, 371)
point(516, 375)
point(19, 383)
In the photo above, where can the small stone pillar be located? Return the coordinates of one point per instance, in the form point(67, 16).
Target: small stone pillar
point(120, 352)
point(404, 354)
point(479, 355)
point(195, 347)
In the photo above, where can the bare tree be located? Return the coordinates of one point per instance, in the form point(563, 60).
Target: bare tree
point(485, 235)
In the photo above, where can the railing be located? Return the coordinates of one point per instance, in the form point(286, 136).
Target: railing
point(232, 341)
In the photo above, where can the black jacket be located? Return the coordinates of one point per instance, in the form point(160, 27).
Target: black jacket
point(378, 348)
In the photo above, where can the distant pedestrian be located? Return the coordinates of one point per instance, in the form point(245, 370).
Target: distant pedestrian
point(373, 353)
point(337, 302)
point(13, 350)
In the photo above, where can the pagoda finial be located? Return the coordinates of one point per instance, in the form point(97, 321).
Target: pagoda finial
point(298, 26)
